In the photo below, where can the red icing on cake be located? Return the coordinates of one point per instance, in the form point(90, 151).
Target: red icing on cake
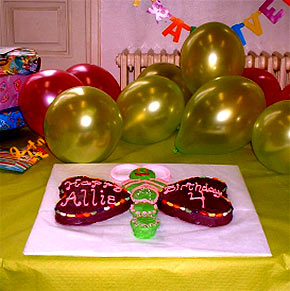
point(199, 200)
point(85, 200)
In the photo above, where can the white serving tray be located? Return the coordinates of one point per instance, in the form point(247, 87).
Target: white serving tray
point(244, 236)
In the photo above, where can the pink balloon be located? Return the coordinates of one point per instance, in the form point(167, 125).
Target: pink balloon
point(95, 76)
point(39, 91)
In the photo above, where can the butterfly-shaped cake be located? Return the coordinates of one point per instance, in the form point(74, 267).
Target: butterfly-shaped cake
point(198, 200)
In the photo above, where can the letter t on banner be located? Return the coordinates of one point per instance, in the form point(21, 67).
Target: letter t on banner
point(179, 24)
point(269, 13)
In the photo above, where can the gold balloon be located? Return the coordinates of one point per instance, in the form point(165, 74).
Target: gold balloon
point(171, 72)
point(151, 108)
point(82, 125)
point(211, 50)
point(220, 116)
point(271, 137)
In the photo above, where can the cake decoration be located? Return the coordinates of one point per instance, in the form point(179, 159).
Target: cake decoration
point(198, 200)
point(85, 200)
point(120, 173)
point(144, 227)
point(138, 209)
point(144, 190)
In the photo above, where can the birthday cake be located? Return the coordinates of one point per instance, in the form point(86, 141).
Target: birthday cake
point(85, 200)
point(198, 200)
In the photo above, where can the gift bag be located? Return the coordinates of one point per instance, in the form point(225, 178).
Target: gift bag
point(11, 118)
point(10, 88)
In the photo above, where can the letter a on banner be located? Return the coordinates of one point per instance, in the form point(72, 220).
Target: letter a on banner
point(178, 24)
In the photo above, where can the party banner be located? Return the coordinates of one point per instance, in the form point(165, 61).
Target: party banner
point(252, 22)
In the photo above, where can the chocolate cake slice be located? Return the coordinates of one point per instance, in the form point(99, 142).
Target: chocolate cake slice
point(198, 200)
point(85, 200)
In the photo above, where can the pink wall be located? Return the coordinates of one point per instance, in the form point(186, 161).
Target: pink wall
point(124, 26)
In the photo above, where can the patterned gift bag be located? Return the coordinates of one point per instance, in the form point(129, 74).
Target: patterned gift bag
point(10, 88)
point(11, 118)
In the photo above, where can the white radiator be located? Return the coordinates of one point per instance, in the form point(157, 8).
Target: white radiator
point(131, 64)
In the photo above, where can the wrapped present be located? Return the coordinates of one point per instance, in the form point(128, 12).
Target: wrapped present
point(21, 61)
point(11, 118)
point(10, 88)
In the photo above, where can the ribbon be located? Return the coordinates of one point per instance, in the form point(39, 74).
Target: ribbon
point(33, 150)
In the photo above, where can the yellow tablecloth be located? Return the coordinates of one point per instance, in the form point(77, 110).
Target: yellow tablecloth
point(21, 195)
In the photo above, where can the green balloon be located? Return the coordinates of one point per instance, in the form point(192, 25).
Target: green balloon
point(171, 72)
point(211, 50)
point(271, 137)
point(82, 125)
point(151, 108)
point(220, 116)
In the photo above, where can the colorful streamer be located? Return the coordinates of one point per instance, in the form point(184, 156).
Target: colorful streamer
point(20, 160)
point(252, 22)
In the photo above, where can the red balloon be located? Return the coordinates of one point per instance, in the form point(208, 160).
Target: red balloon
point(95, 76)
point(286, 93)
point(39, 91)
point(268, 83)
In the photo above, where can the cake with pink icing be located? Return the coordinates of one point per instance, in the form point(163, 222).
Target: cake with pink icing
point(85, 200)
point(198, 200)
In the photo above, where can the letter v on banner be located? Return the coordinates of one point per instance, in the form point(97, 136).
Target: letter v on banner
point(254, 26)
point(178, 24)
